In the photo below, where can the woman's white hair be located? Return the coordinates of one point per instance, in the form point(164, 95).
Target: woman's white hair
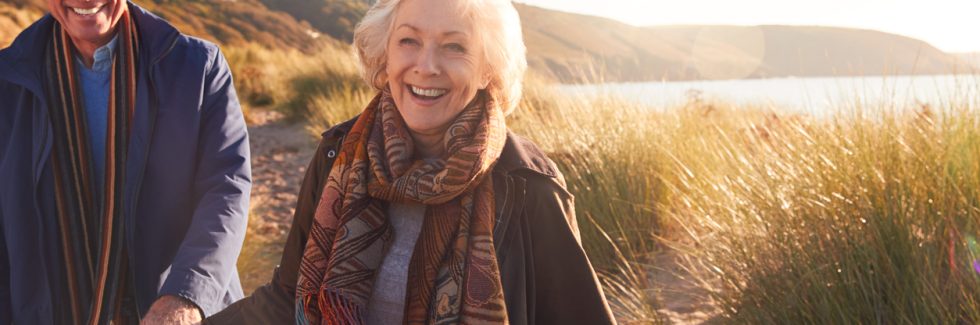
point(495, 21)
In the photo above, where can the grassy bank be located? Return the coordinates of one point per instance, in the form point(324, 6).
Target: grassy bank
point(852, 220)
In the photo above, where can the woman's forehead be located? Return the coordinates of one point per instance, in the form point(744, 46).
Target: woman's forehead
point(441, 17)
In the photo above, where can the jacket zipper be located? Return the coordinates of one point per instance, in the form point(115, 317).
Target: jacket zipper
point(498, 223)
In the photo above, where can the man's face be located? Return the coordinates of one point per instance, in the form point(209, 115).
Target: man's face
point(88, 22)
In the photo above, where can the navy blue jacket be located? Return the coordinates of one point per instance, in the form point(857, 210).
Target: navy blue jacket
point(187, 176)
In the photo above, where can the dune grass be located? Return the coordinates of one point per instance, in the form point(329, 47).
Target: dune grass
point(858, 218)
point(861, 218)
point(291, 81)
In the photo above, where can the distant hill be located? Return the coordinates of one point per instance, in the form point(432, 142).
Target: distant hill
point(971, 58)
point(569, 46)
point(233, 22)
point(336, 18)
point(566, 44)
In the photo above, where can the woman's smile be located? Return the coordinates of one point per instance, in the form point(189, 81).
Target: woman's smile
point(426, 96)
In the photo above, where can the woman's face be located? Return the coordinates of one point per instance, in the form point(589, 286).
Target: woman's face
point(434, 65)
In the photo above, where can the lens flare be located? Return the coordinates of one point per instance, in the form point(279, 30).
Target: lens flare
point(974, 247)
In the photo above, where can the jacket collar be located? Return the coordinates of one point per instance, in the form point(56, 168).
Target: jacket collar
point(157, 36)
point(522, 154)
point(519, 154)
point(22, 62)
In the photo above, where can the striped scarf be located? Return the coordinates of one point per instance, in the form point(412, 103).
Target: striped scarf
point(453, 275)
point(90, 226)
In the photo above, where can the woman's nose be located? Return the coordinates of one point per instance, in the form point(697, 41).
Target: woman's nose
point(427, 63)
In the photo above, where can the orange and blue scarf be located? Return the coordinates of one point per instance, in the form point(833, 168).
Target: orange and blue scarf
point(91, 226)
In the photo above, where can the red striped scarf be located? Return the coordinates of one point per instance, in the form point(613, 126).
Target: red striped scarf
point(91, 226)
point(453, 275)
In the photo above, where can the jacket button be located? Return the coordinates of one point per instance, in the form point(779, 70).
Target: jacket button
point(332, 153)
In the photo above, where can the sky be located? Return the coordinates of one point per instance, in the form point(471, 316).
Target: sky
point(950, 25)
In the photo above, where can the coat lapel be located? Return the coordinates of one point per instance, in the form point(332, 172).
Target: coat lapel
point(157, 38)
point(142, 136)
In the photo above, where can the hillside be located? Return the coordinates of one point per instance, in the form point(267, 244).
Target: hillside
point(569, 46)
point(14, 17)
point(336, 18)
point(971, 58)
point(235, 22)
point(566, 44)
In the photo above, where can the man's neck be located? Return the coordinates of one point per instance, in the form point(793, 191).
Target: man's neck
point(86, 50)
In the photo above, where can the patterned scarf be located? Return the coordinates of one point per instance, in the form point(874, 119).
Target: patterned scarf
point(90, 226)
point(453, 275)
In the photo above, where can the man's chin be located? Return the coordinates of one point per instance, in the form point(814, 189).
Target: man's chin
point(90, 35)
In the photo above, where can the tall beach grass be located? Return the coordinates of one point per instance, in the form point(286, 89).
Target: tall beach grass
point(867, 216)
point(856, 219)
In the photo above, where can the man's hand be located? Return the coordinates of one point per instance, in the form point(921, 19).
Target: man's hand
point(172, 310)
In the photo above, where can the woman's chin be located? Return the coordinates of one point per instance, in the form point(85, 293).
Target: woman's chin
point(422, 119)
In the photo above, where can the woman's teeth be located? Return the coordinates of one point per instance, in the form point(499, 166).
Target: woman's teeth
point(83, 12)
point(428, 92)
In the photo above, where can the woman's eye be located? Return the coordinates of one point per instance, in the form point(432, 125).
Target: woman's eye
point(408, 41)
point(456, 48)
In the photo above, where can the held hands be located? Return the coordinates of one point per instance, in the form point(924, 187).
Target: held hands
point(170, 310)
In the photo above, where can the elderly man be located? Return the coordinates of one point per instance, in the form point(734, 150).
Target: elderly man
point(124, 171)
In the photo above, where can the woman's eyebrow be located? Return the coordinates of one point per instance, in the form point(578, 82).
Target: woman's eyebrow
point(416, 29)
point(455, 32)
point(406, 25)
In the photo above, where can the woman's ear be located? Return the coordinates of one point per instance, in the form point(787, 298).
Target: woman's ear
point(380, 79)
point(485, 81)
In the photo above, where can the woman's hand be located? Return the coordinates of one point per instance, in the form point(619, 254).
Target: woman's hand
point(168, 310)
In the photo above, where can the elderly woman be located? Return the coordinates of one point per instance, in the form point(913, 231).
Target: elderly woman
point(424, 209)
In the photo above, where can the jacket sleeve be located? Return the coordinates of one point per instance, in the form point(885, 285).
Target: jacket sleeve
point(566, 289)
point(204, 264)
point(273, 303)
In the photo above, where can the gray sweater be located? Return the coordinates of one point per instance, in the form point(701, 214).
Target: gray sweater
point(387, 302)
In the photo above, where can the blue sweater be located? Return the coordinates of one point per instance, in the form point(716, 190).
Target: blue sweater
point(95, 96)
